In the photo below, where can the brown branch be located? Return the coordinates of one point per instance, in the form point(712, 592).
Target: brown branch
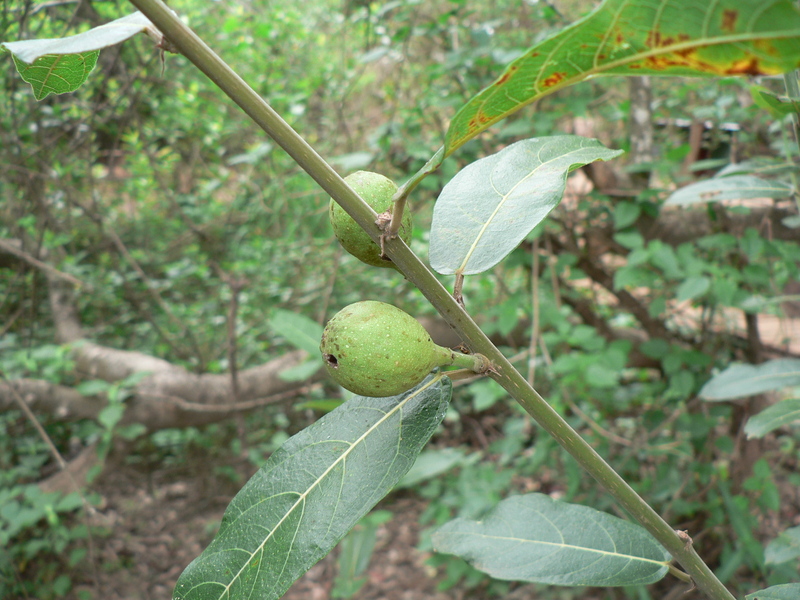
point(45, 397)
point(15, 249)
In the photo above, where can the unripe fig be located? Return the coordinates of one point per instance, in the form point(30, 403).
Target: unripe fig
point(377, 191)
point(375, 349)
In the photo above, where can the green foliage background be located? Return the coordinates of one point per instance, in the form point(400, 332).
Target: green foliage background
point(153, 190)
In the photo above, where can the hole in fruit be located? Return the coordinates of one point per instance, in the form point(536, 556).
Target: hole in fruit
point(331, 360)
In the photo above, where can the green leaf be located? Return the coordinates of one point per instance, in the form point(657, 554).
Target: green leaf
point(538, 539)
point(740, 380)
point(769, 419)
point(777, 106)
point(735, 187)
point(788, 591)
point(302, 371)
point(92, 387)
point(489, 207)
point(627, 37)
point(119, 30)
point(355, 552)
point(299, 330)
point(311, 492)
point(760, 165)
point(111, 415)
point(693, 287)
point(626, 214)
point(783, 548)
point(61, 65)
point(56, 73)
point(430, 464)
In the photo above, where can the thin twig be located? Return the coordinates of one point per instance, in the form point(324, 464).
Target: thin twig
point(62, 464)
point(239, 406)
point(34, 262)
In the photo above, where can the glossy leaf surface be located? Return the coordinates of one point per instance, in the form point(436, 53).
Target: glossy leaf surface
point(489, 207)
point(311, 492)
point(538, 539)
point(627, 37)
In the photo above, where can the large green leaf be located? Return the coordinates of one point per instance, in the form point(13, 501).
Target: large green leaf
point(311, 492)
point(56, 73)
point(769, 419)
point(489, 207)
point(740, 380)
point(535, 538)
point(61, 65)
point(788, 591)
point(632, 37)
point(735, 187)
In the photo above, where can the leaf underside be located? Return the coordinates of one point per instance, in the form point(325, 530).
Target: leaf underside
point(311, 492)
point(735, 187)
point(537, 539)
point(489, 207)
point(741, 380)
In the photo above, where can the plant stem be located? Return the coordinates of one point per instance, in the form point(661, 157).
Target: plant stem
point(477, 363)
point(399, 198)
point(503, 372)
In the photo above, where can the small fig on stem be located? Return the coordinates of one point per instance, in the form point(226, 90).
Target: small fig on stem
point(377, 191)
point(375, 349)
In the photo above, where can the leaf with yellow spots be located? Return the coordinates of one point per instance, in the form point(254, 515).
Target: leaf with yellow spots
point(642, 37)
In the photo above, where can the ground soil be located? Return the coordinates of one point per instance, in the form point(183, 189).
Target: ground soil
point(158, 520)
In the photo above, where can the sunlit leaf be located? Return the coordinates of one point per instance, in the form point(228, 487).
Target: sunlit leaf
point(627, 37)
point(735, 187)
point(740, 380)
point(61, 65)
point(311, 492)
point(769, 419)
point(56, 73)
point(489, 207)
point(535, 538)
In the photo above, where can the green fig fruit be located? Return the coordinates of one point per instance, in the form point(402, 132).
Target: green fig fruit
point(377, 191)
point(375, 349)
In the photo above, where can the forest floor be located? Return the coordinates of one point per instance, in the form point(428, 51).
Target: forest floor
point(161, 518)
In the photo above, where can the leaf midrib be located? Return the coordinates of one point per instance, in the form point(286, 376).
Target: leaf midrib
point(560, 545)
point(302, 497)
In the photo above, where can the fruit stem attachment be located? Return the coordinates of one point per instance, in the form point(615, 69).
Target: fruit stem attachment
point(477, 363)
point(398, 206)
point(399, 198)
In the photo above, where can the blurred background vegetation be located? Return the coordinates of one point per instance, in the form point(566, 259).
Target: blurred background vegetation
point(176, 213)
